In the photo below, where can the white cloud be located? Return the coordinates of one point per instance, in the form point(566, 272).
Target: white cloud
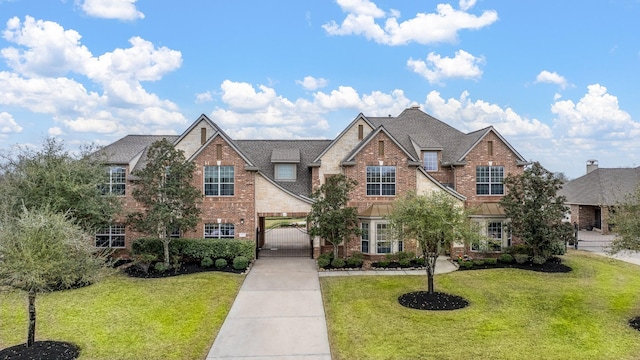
point(468, 115)
point(204, 97)
point(55, 131)
point(436, 68)
point(311, 83)
point(46, 60)
point(552, 78)
point(112, 9)
point(424, 28)
point(8, 125)
point(596, 115)
point(467, 4)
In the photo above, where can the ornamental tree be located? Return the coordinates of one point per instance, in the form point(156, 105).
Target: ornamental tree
point(330, 217)
point(43, 250)
point(166, 192)
point(536, 211)
point(626, 222)
point(435, 221)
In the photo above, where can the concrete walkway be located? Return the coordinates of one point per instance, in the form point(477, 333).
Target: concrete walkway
point(278, 314)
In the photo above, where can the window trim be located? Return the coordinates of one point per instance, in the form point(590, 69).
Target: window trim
point(505, 236)
point(433, 162)
point(491, 182)
point(372, 236)
point(230, 228)
point(278, 167)
point(218, 186)
point(379, 185)
point(110, 233)
point(113, 174)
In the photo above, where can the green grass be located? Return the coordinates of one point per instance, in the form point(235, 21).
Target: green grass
point(513, 314)
point(127, 318)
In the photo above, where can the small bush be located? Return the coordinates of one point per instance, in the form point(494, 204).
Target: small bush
point(390, 257)
point(323, 262)
point(327, 256)
point(160, 267)
point(206, 262)
point(355, 261)
point(221, 263)
point(420, 261)
point(383, 263)
point(240, 262)
point(521, 258)
point(466, 264)
point(337, 263)
point(404, 262)
point(491, 261)
point(505, 258)
point(144, 261)
point(538, 260)
point(478, 262)
point(408, 255)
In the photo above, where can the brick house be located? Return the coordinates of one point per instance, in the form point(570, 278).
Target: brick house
point(593, 196)
point(246, 181)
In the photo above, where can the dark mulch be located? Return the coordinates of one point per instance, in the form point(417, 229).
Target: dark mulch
point(635, 323)
point(185, 269)
point(422, 300)
point(54, 350)
point(553, 265)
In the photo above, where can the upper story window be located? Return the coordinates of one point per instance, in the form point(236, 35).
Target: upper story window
point(110, 236)
point(219, 180)
point(430, 160)
point(490, 180)
point(285, 172)
point(117, 181)
point(381, 180)
point(219, 231)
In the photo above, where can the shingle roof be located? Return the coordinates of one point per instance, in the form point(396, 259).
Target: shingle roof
point(602, 186)
point(125, 149)
point(260, 152)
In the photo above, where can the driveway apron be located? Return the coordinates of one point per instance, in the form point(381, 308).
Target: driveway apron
point(277, 314)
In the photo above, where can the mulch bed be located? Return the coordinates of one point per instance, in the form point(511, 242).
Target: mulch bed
point(54, 350)
point(185, 269)
point(423, 300)
point(553, 265)
point(635, 323)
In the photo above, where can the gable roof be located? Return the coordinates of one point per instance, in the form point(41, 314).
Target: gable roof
point(348, 160)
point(602, 186)
point(124, 150)
point(360, 117)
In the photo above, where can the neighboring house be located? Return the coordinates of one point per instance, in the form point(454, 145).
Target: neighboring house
point(593, 196)
point(246, 181)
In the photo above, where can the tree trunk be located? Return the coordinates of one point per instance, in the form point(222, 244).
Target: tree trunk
point(31, 335)
point(166, 253)
point(430, 261)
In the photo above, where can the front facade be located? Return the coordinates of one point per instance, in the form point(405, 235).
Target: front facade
point(245, 181)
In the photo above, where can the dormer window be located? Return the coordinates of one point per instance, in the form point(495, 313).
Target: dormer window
point(285, 164)
point(430, 160)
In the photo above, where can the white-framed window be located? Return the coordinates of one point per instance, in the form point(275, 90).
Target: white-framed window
point(219, 231)
point(497, 238)
point(490, 180)
point(430, 160)
point(383, 239)
point(175, 233)
point(219, 181)
point(381, 180)
point(364, 237)
point(117, 181)
point(110, 236)
point(285, 172)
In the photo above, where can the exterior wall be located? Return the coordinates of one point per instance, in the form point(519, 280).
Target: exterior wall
point(444, 175)
point(229, 209)
point(332, 158)
point(271, 199)
point(479, 156)
point(192, 141)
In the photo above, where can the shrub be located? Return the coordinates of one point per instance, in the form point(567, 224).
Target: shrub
point(196, 249)
point(240, 262)
point(557, 248)
point(323, 262)
point(144, 261)
point(327, 256)
point(383, 263)
point(221, 263)
point(521, 258)
point(478, 262)
point(466, 264)
point(420, 261)
point(390, 258)
point(538, 260)
point(408, 255)
point(355, 260)
point(519, 249)
point(337, 263)
point(491, 261)
point(404, 262)
point(160, 267)
point(505, 258)
point(206, 262)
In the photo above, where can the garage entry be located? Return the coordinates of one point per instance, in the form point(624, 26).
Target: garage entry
point(283, 237)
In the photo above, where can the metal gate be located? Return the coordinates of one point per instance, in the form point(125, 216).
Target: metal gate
point(288, 241)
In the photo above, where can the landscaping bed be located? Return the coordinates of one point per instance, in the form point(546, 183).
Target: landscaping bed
point(135, 271)
point(553, 265)
point(57, 350)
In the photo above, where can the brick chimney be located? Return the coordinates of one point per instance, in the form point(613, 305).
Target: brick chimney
point(591, 165)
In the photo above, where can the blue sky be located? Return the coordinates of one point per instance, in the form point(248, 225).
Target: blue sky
point(559, 80)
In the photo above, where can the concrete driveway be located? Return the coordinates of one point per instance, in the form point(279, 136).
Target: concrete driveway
point(595, 242)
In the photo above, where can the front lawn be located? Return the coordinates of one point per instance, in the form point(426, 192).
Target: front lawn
point(129, 318)
point(513, 314)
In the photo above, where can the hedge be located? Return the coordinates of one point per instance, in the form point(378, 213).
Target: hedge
point(196, 249)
